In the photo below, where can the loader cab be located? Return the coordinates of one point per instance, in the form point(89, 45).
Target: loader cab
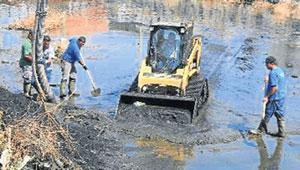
point(167, 47)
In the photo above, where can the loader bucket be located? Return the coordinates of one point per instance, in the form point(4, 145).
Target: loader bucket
point(174, 102)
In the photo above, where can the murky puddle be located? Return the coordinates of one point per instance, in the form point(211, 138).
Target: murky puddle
point(236, 40)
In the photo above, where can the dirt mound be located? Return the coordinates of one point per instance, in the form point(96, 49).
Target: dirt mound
point(16, 106)
point(96, 139)
point(85, 139)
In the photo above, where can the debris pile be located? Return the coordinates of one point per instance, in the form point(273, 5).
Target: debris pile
point(65, 137)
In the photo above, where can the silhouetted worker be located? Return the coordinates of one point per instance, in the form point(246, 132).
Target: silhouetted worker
point(26, 63)
point(169, 46)
point(69, 58)
point(168, 59)
point(274, 98)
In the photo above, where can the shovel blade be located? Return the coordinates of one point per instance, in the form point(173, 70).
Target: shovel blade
point(96, 92)
point(254, 132)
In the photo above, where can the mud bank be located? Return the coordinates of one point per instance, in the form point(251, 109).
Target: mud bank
point(99, 141)
point(93, 135)
point(134, 143)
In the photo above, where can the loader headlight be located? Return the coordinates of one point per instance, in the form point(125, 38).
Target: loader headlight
point(144, 88)
point(178, 92)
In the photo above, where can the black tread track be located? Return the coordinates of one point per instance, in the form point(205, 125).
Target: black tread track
point(134, 85)
point(198, 89)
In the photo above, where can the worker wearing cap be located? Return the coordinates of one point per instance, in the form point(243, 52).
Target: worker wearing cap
point(274, 97)
point(48, 56)
point(69, 58)
point(26, 63)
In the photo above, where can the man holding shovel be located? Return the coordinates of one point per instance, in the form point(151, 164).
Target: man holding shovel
point(274, 98)
point(69, 58)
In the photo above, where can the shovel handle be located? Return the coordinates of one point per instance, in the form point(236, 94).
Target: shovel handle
point(265, 92)
point(91, 79)
point(263, 110)
point(89, 74)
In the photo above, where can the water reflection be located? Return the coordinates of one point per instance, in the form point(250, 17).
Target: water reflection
point(269, 161)
point(163, 148)
point(93, 16)
point(161, 154)
point(76, 22)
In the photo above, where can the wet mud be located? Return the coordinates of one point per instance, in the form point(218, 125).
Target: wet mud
point(236, 37)
point(95, 137)
point(153, 122)
point(101, 142)
point(16, 106)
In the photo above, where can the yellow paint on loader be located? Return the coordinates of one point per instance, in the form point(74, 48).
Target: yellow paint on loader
point(180, 78)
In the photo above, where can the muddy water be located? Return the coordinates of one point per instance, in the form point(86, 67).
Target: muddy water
point(236, 40)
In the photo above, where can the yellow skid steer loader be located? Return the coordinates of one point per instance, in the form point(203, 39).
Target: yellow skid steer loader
point(170, 74)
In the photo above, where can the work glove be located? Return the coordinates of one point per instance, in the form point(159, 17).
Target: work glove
point(85, 67)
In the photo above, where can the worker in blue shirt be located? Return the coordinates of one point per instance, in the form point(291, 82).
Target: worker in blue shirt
point(69, 58)
point(274, 98)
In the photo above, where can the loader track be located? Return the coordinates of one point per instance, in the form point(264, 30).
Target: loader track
point(134, 85)
point(198, 89)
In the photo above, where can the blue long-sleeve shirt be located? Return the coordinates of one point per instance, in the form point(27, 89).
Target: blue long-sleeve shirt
point(72, 53)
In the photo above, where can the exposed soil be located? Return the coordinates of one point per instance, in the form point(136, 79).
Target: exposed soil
point(99, 140)
point(148, 122)
point(94, 136)
point(16, 106)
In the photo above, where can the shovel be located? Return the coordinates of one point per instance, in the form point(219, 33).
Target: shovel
point(255, 132)
point(96, 91)
point(264, 103)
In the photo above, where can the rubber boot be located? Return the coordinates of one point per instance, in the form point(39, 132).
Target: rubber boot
point(27, 89)
point(281, 127)
point(72, 87)
point(262, 128)
point(50, 98)
point(34, 85)
point(63, 84)
point(35, 95)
